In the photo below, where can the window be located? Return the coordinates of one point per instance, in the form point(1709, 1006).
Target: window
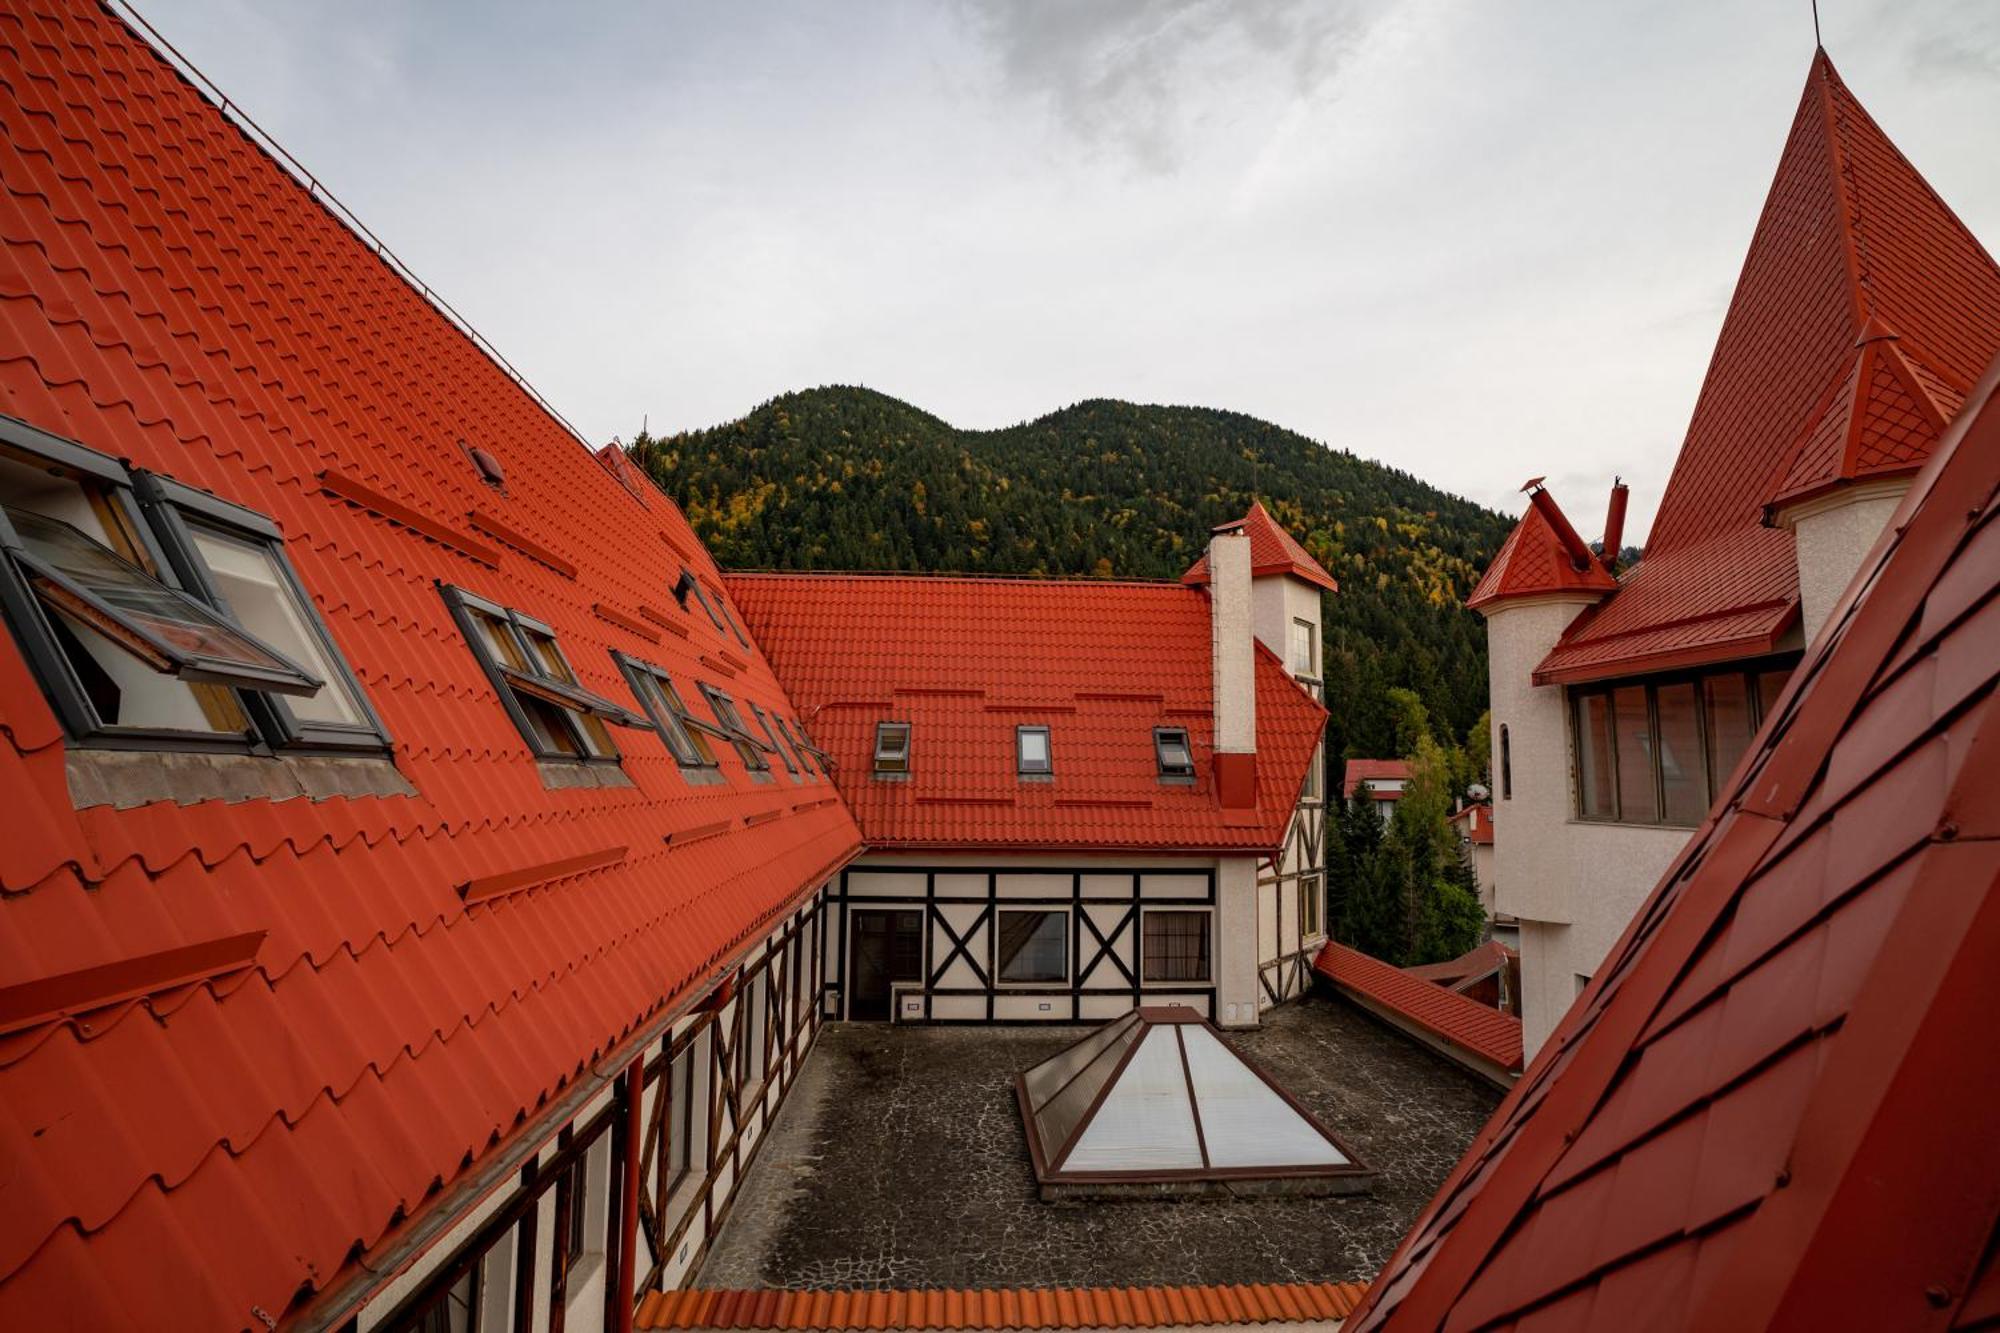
point(680, 1091)
point(1031, 752)
point(734, 730)
point(1174, 946)
point(1660, 752)
point(574, 1195)
point(685, 737)
point(777, 746)
point(799, 748)
point(1311, 897)
point(555, 714)
point(1313, 770)
point(1506, 764)
point(457, 1311)
point(719, 601)
point(755, 999)
point(1032, 947)
point(811, 751)
point(1176, 759)
point(1305, 648)
point(160, 614)
point(689, 586)
point(892, 749)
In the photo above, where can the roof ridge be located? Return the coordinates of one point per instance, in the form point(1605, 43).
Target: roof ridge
point(1827, 78)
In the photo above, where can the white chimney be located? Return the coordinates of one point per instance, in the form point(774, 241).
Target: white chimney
point(1231, 641)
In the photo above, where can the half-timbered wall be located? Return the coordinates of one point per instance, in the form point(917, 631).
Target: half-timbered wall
point(625, 1196)
point(1291, 909)
point(1104, 904)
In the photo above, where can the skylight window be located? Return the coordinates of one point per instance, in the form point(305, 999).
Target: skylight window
point(737, 732)
point(557, 716)
point(777, 746)
point(148, 608)
point(1032, 758)
point(1176, 759)
point(689, 586)
point(799, 747)
point(892, 749)
point(684, 735)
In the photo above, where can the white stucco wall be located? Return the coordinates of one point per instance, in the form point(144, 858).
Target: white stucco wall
point(1276, 600)
point(1832, 540)
point(1231, 650)
point(1237, 993)
point(1574, 885)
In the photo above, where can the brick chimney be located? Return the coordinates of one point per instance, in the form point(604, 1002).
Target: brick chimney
point(1232, 640)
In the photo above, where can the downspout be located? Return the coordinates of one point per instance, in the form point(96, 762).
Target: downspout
point(627, 1270)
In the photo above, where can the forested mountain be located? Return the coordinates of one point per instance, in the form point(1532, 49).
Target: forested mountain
point(846, 478)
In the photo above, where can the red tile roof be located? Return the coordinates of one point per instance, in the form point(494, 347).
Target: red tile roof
point(1015, 1308)
point(1806, 389)
point(1476, 822)
point(1272, 551)
point(245, 1039)
point(1465, 1024)
point(1375, 771)
point(966, 660)
point(1533, 562)
point(1774, 1105)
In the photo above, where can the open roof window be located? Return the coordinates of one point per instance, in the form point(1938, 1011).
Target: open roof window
point(737, 732)
point(689, 586)
point(558, 717)
point(148, 609)
point(892, 749)
point(799, 747)
point(1175, 757)
point(686, 738)
point(1032, 756)
point(777, 745)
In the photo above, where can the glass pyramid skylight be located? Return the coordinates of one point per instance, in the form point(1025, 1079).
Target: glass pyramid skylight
point(1156, 1102)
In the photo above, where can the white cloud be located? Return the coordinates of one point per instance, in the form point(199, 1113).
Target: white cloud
point(1477, 240)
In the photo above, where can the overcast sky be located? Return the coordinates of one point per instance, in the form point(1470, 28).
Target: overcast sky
point(1476, 240)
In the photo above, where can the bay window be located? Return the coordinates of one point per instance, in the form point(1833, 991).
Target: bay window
point(1659, 751)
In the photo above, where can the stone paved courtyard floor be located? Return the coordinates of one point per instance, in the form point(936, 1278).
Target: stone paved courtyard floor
point(900, 1161)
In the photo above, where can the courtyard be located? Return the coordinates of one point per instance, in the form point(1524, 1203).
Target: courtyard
point(900, 1161)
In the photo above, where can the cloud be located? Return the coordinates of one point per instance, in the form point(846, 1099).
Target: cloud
point(1141, 78)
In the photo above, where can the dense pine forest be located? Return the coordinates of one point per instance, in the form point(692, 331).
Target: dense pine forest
point(846, 478)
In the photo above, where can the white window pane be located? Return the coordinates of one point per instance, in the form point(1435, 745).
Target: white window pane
point(262, 600)
point(1146, 1122)
point(1243, 1119)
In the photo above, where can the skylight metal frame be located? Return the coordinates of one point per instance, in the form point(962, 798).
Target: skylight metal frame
point(568, 698)
point(893, 742)
point(1175, 771)
point(1044, 769)
point(680, 731)
point(151, 513)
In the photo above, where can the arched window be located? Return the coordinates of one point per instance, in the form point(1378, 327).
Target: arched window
point(1506, 765)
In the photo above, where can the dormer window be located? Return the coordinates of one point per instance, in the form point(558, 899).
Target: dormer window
point(1176, 758)
point(1031, 752)
point(892, 749)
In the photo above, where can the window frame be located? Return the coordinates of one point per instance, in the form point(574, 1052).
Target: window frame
point(1506, 764)
point(898, 754)
point(1146, 977)
point(679, 727)
point(1047, 771)
point(799, 747)
point(731, 727)
point(464, 606)
point(147, 508)
point(777, 745)
point(1311, 670)
point(1068, 943)
point(1750, 672)
point(1178, 775)
point(170, 504)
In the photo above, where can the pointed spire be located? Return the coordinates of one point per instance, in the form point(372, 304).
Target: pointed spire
point(1540, 557)
point(1272, 551)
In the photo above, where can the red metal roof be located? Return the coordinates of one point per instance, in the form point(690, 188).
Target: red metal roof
point(1272, 551)
point(1533, 562)
point(243, 1040)
point(1864, 312)
point(1472, 1027)
point(1774, 1107)
point(967, 660)
point(1007, 1308)
point(1481, 961)
point(1375, 771)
